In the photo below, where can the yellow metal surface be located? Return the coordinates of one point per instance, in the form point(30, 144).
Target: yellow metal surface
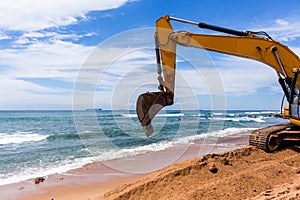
point(286, 110)
point(295, 121)
point(168, 52)
point(252, 47)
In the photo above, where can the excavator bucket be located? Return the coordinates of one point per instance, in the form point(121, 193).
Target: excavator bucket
point(147, 106)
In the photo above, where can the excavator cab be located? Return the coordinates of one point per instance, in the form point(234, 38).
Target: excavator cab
point(294, 99)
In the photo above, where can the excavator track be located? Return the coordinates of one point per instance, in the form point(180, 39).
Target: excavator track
point(270, 138)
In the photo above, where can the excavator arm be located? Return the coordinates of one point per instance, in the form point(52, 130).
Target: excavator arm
point(257, 46)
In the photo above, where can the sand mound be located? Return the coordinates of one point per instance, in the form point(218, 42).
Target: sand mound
point(247, 173)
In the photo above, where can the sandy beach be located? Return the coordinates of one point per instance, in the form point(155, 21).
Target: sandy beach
point(232, 170)
point(246, 173)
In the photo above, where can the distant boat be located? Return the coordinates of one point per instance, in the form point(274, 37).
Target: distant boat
point(93, 109)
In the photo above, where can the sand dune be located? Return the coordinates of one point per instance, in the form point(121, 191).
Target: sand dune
point(246, 173)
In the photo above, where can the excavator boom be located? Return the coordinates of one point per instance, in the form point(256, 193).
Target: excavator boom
point(257, 46)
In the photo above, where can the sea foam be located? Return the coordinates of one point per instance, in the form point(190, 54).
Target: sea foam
point(158, 115)
point(20, 137)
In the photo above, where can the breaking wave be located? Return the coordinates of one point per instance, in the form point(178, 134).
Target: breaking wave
point(20, 137)
point(158, 115)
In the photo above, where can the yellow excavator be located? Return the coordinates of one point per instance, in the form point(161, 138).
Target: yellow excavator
point(257, 46)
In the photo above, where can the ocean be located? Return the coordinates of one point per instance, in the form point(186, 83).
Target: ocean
point(39, 143)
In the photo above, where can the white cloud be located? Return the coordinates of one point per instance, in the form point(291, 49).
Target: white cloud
point(19, 94)
point(243, 76)
point(22, 41)
point(233, 76)
point(296, 50)
point(134, 70)
point(33, 37)
point(60, 60)
point(4, 37)
point(43, 59)
point(117, 73)
point(55, 60)
point(282, 22)
point(32, 15)
point(284, 30)
point(238, 76)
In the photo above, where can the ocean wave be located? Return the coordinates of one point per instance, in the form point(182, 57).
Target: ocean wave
point(163, 145)
point(42, 171)
point(223, 133)
point(129, 115)
point(230, 115)
point(73, 136)
point(261, 113)
point(158, 115)
point(63, 136)
point(20, 137)
point(217, 113)
point(240, 119)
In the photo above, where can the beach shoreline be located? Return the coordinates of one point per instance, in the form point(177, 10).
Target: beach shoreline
point(93, 180)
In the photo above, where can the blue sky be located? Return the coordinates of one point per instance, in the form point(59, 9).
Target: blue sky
point(45, 45)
